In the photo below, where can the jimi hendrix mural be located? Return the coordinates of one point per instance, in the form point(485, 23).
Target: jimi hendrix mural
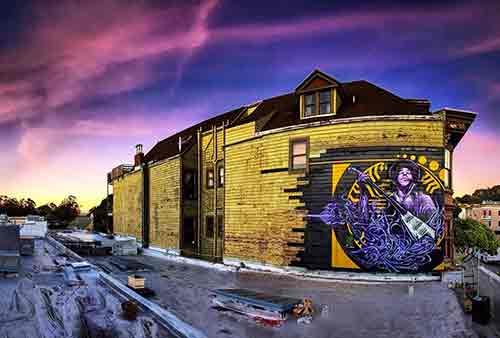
point(387, 214)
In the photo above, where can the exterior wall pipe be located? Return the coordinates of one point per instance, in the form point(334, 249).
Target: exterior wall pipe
point(145, 205)
point(216, 183)
point(199, 179)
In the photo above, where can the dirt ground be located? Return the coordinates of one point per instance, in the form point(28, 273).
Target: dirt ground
point(342, 309)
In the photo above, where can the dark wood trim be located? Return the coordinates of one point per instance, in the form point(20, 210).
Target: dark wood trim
point(273, 170)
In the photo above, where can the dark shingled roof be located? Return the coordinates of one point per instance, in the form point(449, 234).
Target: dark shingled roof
point(170, 146)
point(282, 111)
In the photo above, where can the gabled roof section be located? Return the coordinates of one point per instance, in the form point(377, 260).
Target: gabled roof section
point(169, 146)
point(316, 80)
point(360, 98)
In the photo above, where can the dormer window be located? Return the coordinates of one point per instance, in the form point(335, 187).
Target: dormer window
point(319, 95)
point(325, 102)
point(318, 103)
point(310, 105)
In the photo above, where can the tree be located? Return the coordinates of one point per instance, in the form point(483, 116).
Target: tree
point(67, 211)
point(101, 220)
point(472, 234)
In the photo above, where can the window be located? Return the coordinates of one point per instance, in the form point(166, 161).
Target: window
point(189, 188)
point(447, 159)
point(209, 227)
point(299, 149)
point(310, 105)
point(489, 213)
point(220, 178)
point(325, 102)
point(317, 103)
point(210, 178)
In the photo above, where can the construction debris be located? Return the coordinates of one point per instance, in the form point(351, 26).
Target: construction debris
point(136, 281)
point(27, 245)
point(70, 277)
point(9, 248)
point(96, 244)
point(304, 309)
point(130, 310)
point(304, 320)
point(256, 305)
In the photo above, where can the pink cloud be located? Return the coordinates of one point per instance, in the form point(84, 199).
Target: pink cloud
point(475, 164)
point(105, 48)
point(488, 45)
point(405, 19)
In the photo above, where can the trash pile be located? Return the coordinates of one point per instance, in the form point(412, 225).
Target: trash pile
point(265, 309)
point(304, 311)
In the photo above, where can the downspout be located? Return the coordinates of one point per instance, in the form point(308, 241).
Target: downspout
point(216, 184)
point(198, 143)
point(224, 190)
point(145, 205)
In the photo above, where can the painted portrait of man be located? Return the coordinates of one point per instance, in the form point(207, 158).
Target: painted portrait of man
point(405, 176)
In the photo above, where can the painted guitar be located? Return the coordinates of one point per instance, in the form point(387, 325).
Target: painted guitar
point(415, 226)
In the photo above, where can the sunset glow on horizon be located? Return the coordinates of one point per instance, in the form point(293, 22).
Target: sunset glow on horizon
point(83, 82)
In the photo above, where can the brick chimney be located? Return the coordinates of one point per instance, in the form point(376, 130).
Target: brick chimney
point(139, 155)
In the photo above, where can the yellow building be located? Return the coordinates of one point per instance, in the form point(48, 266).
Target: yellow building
point(331, 175)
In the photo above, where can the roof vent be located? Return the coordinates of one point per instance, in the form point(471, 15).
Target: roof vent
point(354, 99)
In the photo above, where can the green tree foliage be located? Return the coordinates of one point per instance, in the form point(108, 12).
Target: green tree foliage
point(101, 220)
point(472, 234)
point(489, 194)
point(12, 207)
point(57, 215)
point(66, 211)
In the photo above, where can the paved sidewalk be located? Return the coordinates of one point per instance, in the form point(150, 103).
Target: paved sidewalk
point(354, 310)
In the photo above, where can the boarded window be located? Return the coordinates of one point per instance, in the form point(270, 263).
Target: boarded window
point(210, 178)
point(209, 227)
point(221, 176)
point(298, 154)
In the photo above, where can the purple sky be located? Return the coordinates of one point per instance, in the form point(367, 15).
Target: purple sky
point(81, 82)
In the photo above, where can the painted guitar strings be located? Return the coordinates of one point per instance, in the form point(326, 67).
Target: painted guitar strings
point(381, 241)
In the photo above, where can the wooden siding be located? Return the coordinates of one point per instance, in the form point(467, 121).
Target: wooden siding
point(263, 217)
point(127, 205)
point(207, 246)
point(240, 133)
point(164, 204)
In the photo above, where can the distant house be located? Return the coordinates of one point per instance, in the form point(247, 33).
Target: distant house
point(488, 213)
point(278, 182)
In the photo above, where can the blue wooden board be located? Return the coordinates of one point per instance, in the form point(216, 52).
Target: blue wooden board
point(260, 299)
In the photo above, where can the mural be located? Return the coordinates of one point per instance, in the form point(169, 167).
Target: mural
point(386, 213)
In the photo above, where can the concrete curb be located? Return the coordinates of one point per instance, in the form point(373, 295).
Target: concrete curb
point(176, 326)
point(322, 275)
